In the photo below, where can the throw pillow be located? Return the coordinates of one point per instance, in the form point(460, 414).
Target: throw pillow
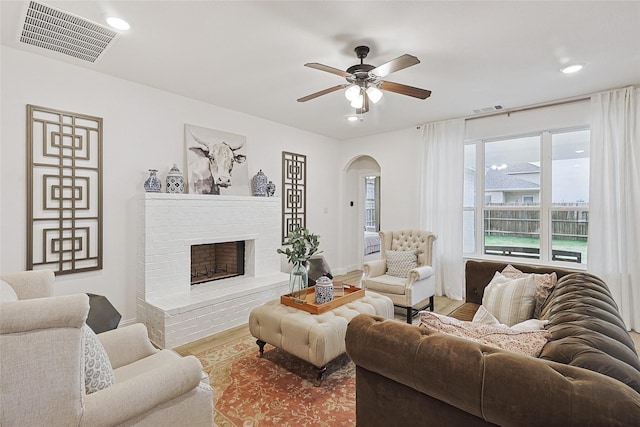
point(399, 263)
point(98, 373)
point(528, 343)
point(511, 301)
point(7, 293)
point(483, 316)
point(544, 285)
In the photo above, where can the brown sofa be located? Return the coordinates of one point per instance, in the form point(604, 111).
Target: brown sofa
point(588, 374)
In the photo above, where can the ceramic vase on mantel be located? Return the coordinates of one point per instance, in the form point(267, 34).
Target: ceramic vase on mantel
point(271, 189)
point(175, 181)
point(152, 184)
point(260, 184)
point(298, 281)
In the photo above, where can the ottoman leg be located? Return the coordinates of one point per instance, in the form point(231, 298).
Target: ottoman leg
point(261, 345)
point(321, 372)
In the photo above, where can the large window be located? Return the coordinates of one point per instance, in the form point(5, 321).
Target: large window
point(535, 196)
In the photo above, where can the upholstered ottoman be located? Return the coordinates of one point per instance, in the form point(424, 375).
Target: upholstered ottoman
point(318, 339)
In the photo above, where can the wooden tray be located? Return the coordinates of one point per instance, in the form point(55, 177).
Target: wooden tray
point(309, 305)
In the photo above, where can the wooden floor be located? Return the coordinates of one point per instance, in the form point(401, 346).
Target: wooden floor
point(443, 305)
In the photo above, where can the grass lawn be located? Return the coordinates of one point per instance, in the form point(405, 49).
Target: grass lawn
point(531, 242)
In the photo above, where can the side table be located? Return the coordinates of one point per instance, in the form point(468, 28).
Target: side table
point(102, 315)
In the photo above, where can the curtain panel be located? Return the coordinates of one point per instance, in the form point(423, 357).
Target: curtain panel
point(442, 175)
point(614, 193)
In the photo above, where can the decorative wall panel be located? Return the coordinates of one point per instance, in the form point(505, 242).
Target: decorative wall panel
point(64, 191)
point(294, 192)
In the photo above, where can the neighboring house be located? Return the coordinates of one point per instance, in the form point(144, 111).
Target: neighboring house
point(517, 184)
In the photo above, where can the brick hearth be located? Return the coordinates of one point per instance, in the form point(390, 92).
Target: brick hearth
point(176, 312)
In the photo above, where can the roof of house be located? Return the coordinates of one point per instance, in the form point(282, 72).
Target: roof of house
point(498, 180)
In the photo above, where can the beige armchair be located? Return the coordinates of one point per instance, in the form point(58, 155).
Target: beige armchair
point(42, 368)
point(407, 287)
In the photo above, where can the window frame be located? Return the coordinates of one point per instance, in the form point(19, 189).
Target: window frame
point(545, 205)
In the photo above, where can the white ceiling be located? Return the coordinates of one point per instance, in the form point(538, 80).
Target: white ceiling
point(249, 56)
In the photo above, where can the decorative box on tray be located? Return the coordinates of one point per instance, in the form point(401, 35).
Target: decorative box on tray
point(351, 293)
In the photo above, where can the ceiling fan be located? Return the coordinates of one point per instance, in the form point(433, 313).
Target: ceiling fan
point(365, 81)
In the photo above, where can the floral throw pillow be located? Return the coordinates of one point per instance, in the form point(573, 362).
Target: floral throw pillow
point(98, 373)
point(528, 343)
point(544, 285)
point(399, 263)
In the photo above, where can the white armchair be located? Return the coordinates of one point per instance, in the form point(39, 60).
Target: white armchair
point(409, 291)
point(42, 368)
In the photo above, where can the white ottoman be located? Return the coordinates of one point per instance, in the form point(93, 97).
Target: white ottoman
point(318, 339)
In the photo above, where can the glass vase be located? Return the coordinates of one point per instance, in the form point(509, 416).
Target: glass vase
point(298, 282)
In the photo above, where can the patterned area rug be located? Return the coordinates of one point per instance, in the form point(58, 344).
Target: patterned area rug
point(278, 389)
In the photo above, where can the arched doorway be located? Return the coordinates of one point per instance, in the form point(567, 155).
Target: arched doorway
point(364, 179)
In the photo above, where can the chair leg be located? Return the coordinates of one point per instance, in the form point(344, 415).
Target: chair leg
point(410, 315)
point(431, 303)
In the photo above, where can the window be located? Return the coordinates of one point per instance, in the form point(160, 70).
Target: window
point(536, 196)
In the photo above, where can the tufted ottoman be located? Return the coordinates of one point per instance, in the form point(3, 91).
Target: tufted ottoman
point(318, 339)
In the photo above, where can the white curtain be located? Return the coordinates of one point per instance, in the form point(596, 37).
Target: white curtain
point(614, 199)
point(441, 187)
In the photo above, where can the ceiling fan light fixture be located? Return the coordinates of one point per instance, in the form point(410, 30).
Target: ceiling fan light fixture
point(352, 92)
point(374, 94)
point(357, 103)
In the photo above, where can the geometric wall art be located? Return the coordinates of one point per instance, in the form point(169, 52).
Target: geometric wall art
point(294, 192)
point(64, 191)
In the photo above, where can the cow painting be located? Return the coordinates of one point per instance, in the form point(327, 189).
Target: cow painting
point(211, 162)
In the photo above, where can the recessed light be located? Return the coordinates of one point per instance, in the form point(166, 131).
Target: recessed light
point(579, 151)
point(118, 24)
point(571, 69)
point(352, 118)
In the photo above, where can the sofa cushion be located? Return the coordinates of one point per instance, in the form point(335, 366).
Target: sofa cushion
point(528, 343)
point(511, 301)
point(484, 317)
point(399, 263)
point(544, 285)
point(7, 293)
point(98, 373)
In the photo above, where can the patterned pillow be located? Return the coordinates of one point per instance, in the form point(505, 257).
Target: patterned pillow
point(544, 285)
point(399, 263)
point(528, 343)
point(511, 301)
point(98, 373)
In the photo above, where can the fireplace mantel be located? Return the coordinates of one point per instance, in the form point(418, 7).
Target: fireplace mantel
point(169, 224)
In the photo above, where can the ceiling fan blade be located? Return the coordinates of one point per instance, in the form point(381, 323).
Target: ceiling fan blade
point(405, 90)
point(327, 69)
point(394, 65)
point(322, 92)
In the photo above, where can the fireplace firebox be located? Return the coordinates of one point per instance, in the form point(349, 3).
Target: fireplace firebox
point(214, 261)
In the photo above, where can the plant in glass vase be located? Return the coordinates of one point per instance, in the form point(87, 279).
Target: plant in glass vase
point(302, 245)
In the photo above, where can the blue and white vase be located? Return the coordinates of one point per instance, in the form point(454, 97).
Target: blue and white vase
point(271, 189)
point(324, 290)
point(152, 184)
point(260, 184)
point(175, 181)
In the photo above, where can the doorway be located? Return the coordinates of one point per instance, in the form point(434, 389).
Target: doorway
point(371, 204)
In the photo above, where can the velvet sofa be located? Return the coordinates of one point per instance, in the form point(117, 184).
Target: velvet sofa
point(588, 373)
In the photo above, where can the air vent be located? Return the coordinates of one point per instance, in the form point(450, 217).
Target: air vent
point(488, 109)
point(60, 31)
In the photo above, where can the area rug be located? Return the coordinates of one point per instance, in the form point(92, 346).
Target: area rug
point(277, 389)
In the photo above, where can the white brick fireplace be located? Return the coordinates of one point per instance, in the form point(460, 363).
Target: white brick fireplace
point(176, 312)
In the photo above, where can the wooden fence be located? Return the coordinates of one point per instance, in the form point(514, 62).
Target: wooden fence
point(570, 225)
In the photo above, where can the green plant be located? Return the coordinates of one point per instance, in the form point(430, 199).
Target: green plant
point(303, 245)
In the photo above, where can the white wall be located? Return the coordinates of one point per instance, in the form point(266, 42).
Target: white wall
point(143, 128)
point(397, 155)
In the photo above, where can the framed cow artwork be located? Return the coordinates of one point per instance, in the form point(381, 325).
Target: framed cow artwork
point(216, 162)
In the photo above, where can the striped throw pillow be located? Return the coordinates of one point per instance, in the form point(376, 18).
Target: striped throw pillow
point(511, 301)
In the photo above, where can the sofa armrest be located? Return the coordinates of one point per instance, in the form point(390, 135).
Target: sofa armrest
point(31, 284)
point(140, 394)
point(374, 268)
point(126, 345)
point(69, 311)
point(421, 273)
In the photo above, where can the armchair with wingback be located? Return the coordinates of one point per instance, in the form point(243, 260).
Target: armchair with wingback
point(418, 285)
point(43, 367)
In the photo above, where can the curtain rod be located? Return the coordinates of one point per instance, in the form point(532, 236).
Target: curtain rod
point(529, 107)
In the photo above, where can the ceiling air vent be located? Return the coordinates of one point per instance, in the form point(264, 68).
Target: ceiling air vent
point(488, 109)
point(63, 32)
